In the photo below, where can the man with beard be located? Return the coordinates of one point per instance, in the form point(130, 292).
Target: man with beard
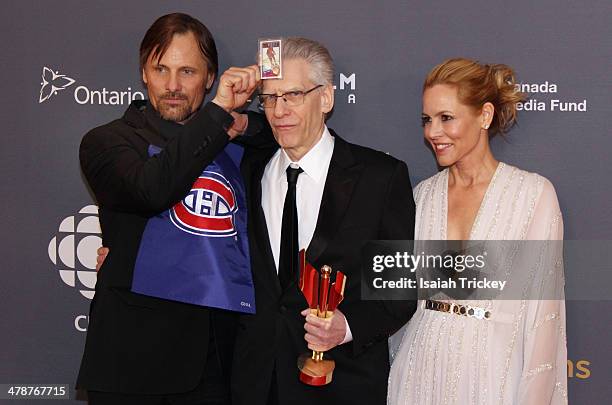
point(141, 349)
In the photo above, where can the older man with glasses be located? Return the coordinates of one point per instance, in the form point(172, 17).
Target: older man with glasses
point(320, 193)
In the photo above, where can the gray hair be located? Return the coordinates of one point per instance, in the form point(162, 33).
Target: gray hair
point(316, 55)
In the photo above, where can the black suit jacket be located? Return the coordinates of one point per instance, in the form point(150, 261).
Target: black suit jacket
point(135, 343)
point(367, 196)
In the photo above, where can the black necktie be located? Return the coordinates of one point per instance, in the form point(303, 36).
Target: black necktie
point(289, 248)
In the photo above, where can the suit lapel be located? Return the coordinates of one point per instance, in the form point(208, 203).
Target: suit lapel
point(344, 172)
point(256, 168)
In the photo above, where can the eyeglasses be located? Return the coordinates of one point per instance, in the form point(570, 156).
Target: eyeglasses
point(292, 98)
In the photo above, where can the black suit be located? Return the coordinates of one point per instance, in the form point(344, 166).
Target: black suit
point(138, 344)
point(367, 195)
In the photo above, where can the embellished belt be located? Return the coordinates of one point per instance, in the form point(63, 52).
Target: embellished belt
point(452, 308)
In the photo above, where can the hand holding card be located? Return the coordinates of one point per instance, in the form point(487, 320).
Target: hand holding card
point(236, 86)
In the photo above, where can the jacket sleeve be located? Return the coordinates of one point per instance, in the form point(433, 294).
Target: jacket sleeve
point(123, 179)
point(258, 134)
point(373, 321)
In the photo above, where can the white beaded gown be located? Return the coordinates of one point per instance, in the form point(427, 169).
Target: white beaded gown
point(519, 356)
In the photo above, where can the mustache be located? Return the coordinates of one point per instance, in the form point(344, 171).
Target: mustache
point(174, 95)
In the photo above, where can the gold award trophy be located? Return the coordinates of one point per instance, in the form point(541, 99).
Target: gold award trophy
point(323, 298)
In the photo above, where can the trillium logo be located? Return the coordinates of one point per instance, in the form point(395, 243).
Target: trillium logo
point(52, 82)
point(73, 250)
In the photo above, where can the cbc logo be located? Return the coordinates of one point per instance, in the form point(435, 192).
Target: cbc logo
point(73, 250)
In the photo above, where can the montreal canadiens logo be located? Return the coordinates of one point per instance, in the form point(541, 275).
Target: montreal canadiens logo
point(208, 209)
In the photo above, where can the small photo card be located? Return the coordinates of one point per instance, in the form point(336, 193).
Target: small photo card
point(270, 51)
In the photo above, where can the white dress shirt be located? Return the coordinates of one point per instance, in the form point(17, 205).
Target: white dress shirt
point(309, 191)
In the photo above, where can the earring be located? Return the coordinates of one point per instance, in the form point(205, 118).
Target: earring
point(486, 126)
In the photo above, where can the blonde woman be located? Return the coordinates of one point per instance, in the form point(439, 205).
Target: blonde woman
point(518, 354)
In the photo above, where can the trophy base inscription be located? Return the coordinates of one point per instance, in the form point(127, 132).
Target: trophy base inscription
point(315, 372)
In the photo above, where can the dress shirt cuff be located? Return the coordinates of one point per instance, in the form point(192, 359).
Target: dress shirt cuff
point(348, 336)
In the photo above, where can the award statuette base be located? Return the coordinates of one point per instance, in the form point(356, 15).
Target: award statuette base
point(315, 372)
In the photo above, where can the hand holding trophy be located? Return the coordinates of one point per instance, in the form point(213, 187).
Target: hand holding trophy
point(323, 298)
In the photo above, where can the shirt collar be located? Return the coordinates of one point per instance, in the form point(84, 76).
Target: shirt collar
point(313, 161)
